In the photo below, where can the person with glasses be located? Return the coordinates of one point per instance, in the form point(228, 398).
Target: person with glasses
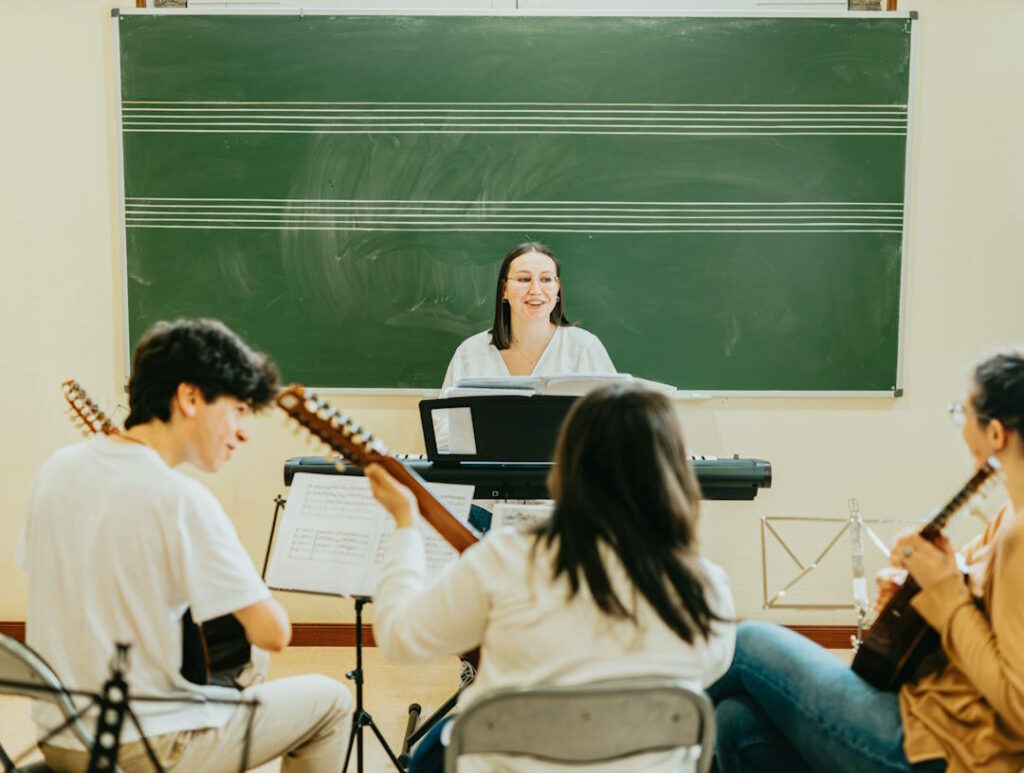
point(530, 335)
point(788, 704)
point(972, 558)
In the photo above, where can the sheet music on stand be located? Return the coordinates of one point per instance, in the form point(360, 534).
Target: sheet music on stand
point(333, 536)
point(516, 514)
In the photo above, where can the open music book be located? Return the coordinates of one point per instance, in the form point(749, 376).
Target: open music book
point(563, 384)
point(333, 536)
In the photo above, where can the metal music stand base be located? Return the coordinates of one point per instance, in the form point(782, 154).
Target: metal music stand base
point(362, 718)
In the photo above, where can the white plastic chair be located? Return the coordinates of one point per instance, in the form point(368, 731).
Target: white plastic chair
point(590, 723)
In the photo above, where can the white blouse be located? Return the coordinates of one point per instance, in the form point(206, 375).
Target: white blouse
point(571, 350)
point(500, 596)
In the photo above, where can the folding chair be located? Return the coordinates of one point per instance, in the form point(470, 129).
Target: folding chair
point(589, 723)
point(23, 672)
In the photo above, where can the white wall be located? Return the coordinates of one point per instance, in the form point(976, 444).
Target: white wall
point(62, 312)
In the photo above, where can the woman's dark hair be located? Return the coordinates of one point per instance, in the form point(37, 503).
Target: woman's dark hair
point(999, 389)
point(622, 478)
point(202, 352)
point(501, 330)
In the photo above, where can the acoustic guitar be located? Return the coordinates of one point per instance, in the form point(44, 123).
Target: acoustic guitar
point(360, 448)
point(215, 652)
point(900, 642)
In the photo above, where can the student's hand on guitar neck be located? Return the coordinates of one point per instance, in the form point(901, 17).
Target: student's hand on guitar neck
point(928, 562)
point(396, 498)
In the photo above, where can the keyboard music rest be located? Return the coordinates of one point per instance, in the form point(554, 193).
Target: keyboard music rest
point(732, 478)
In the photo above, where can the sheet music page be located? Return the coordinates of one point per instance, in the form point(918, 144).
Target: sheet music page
point(333, 534)
point(456, 498)
point(330, 527)
point(519, 513)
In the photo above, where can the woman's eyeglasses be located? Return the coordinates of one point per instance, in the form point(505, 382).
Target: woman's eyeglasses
point(957, 413)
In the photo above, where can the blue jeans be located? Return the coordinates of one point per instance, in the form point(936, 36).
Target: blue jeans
point(428, 756)
point(787, 704)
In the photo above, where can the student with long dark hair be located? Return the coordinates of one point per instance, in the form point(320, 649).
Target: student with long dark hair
point(787, 704)
point(612, 585)
point(530, 335)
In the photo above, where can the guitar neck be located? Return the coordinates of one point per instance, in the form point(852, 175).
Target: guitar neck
point(451, 529)
point(969, 489)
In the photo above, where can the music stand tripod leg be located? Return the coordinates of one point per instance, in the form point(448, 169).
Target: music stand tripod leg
point(361, 718)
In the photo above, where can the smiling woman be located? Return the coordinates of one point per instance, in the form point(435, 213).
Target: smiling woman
point(530, 335)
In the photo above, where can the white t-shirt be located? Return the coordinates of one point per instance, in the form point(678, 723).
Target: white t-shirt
point(500, 595)
point(116, 545)
point(571, 350)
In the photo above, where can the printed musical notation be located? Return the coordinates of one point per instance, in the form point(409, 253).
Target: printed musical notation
point(334, 536)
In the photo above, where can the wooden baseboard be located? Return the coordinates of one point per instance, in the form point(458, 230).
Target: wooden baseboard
point(303, 634)
point(836, 637)
point(13, 628)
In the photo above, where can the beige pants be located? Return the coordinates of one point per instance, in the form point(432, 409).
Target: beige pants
point(303, 719)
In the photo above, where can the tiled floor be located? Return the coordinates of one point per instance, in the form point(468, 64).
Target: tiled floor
point(387, 692)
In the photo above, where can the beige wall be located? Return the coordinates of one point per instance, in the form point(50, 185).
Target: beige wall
point(61, 314)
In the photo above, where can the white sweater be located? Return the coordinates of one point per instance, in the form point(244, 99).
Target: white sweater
point(500, 596)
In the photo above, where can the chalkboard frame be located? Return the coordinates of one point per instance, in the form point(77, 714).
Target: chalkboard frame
point(912, 16)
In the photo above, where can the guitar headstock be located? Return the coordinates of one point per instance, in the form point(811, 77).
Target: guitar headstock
point(331, 426)
point(84, 412)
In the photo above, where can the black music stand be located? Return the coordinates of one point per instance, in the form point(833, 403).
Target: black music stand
point(114, 705)
point(362, 717)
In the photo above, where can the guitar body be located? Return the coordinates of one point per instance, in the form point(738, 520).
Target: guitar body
point(897, 644)
point(215, 652)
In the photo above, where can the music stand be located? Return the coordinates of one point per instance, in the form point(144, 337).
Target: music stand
point(114, 705)
point(361, 718)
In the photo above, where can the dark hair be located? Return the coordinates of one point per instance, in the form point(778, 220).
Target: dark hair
point(999, 389)
point(202, 352)
point(622, 478)
point(501, 330)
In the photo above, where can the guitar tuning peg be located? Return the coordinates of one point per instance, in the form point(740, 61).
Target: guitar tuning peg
point(339, 464)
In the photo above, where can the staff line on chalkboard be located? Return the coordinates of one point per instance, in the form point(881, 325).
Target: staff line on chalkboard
point(496, 216)
point(496, 211)
point(293, 120)
point(548, 107)
point(491, 222)
point(518, 229)
point(399, 115)
point(528, 201)
point(499, 131)
point(522, 104)
point(507, 126)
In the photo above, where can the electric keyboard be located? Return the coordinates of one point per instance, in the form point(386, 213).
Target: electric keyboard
point(732, 478)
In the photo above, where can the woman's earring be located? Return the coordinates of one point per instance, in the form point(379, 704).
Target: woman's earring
point(557, 297)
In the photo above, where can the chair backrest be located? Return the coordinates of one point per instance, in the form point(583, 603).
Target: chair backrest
point(587, 723)
point(23, 672)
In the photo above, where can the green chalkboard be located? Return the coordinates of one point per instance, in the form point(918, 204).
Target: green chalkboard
point(726, 194)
